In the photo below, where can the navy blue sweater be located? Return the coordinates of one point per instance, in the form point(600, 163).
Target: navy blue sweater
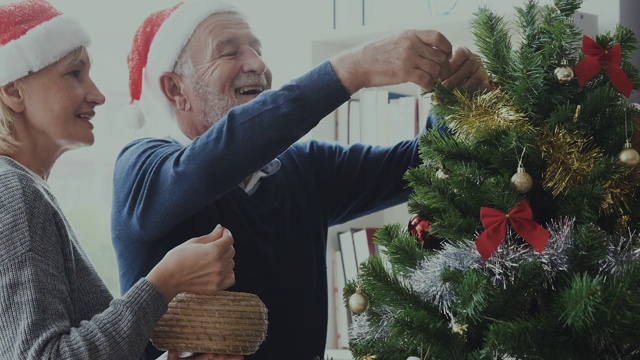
point(166, 193)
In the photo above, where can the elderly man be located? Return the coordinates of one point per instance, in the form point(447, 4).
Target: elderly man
point(239, 164)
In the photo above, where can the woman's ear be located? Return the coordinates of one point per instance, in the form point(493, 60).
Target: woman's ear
point(12, 95)
point(174, 89)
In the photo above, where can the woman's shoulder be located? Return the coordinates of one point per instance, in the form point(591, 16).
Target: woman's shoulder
point(23, 209)
point(22, 197)
point(15, 181)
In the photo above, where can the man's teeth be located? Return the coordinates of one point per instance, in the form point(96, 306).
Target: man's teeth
point(249, 90)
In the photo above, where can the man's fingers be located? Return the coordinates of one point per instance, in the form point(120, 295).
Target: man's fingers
point(434, 39)
point(470, 74)
point(430, 64)
point(476, 82)
point(464, 72)
point(461, 56)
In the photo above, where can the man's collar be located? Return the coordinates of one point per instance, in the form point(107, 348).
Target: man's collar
point(254, 180)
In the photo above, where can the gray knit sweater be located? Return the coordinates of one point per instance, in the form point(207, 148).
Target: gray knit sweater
point(53, 305)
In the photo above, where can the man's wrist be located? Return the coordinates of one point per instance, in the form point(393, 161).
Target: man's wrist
point(345, 66)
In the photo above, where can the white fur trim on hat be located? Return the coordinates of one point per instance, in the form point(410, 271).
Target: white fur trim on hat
point(167, 44)
point(40, 47)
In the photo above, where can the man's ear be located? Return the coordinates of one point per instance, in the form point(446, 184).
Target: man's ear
point(175, 90)
point(12, 94)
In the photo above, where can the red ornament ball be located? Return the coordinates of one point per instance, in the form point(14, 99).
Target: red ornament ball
point(419, 228)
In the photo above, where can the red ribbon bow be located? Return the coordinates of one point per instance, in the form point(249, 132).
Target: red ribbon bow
point(597, 58)
point(495, 224)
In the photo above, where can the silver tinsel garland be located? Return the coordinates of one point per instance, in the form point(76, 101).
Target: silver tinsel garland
point(622, 251)
point(362, 329)
point(502, 267)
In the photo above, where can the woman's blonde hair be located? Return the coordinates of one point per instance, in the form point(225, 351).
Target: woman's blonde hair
point(8, 142)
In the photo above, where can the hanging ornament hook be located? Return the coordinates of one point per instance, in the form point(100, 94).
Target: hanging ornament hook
point(628, 157)
point(521, 180)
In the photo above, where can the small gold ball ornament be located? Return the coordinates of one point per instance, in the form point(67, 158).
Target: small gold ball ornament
point(435, 100)
point(358, 303)
point(521, 180)
point(629, 156)
point(564, 73)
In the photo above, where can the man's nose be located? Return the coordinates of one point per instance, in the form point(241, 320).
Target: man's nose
point(253, 62)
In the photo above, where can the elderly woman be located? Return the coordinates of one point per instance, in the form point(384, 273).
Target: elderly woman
point(53, 304)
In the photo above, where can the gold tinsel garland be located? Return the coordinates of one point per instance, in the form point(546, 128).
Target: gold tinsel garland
point(619, 190)
point(569, 157)
point(487, 111)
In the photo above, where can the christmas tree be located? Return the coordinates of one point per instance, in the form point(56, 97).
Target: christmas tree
point(524, 240)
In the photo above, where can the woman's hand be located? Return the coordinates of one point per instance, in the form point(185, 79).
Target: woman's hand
point(202, 265)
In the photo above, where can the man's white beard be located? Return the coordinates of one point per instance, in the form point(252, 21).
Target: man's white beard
point(215, 104)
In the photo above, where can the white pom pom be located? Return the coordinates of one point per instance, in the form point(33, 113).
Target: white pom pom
point(413, 358)
point(132, 115)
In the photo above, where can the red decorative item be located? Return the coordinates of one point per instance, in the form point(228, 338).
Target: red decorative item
point(419, 228)
point(521, 219)
point(597, 58)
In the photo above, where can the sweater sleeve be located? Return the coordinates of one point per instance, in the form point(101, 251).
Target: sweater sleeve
point(360, 179)
point(36, 317)
point(159, 183)
point(42, 317)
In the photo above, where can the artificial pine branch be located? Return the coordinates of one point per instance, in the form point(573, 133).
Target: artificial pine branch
point(400, 248)
point(493, 42)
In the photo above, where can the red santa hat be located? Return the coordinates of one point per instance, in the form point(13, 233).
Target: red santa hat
point(33, 35)
point(156, 47)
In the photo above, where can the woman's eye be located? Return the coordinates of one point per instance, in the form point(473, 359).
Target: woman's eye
point(74, 73)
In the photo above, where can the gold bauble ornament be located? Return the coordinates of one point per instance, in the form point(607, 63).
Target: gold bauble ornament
point(629, 156)
point(564, 73)
point(358, 303)
point(435, 100)
point(521, 180)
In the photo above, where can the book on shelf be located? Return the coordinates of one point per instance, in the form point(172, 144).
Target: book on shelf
point(341, 117)
point(350, 272)
point(373, 109)
point(363, 244)
point(403, 122)
point(353, 127)
point(356, 245)
point(347, 122)
point(341, 312)
point(349, 262)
